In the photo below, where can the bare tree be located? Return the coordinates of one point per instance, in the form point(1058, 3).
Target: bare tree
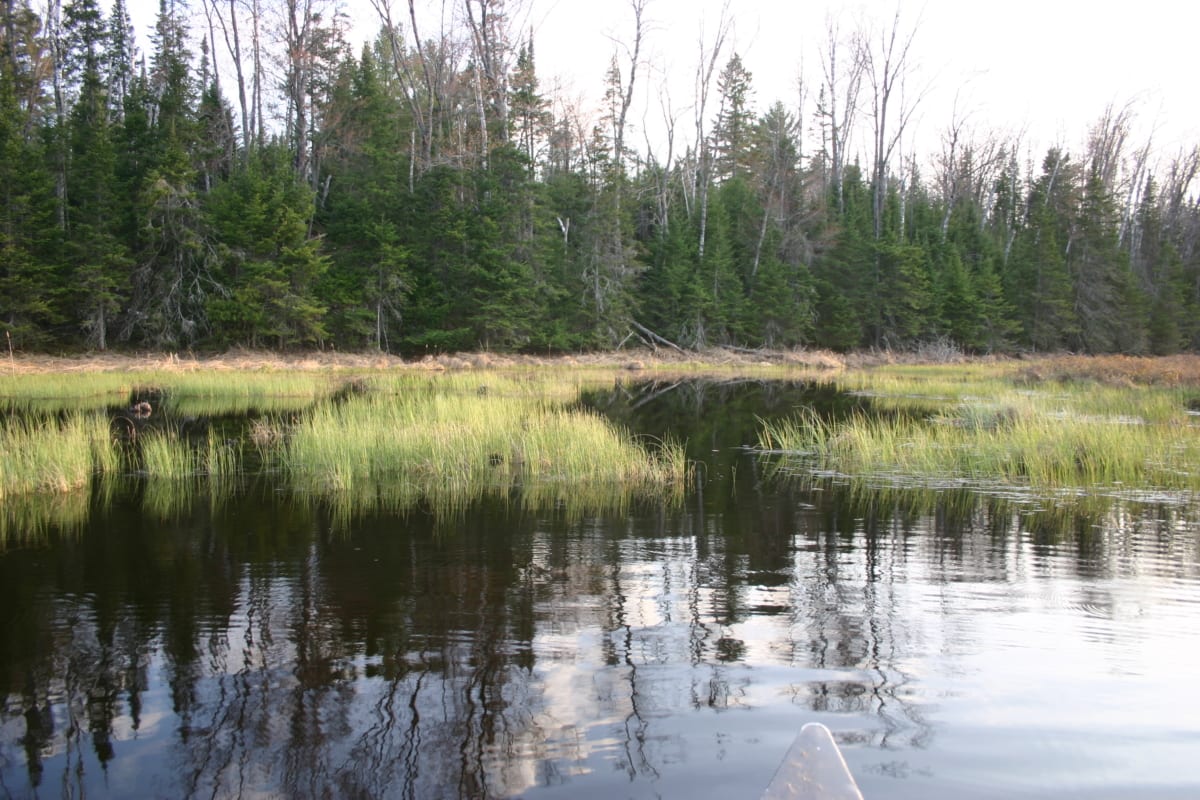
point(837, 104)
point(967, 167)
point(426, 82)
point(704, 79)
point(231, 34)
point(492, 56)
point(887, 65)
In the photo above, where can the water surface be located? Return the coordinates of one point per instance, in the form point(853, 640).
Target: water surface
point(259, 644)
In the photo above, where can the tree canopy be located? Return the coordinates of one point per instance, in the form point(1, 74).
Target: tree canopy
point(253, 181)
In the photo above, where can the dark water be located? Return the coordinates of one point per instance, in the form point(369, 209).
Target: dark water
point(258, 645)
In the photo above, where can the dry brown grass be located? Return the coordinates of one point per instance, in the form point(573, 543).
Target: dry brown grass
point(248, 360)
point(1125, 371)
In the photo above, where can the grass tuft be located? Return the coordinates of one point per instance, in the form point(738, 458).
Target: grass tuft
point(994, 428)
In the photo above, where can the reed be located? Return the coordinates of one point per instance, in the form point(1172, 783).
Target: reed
point(221, 460)
point(44, 453)
point(449, 440)
point(167, 456)
point(989, 433)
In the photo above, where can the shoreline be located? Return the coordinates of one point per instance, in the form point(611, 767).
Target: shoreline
point(1179, 370)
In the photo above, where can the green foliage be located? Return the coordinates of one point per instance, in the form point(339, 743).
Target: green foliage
point(270, 267)
point(29, 279)
point(414, 203)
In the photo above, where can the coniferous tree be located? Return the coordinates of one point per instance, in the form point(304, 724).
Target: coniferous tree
point(363, 214)
point(735, 120)
point(172, 279)
point(96, 256)
point(29, 279)
point(270, 267)
point(1036, 280)
point(1107, 303)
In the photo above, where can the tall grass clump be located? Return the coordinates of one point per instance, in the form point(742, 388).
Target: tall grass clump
point(1039, 440)
point(166, 455)
point(221, 461)
point(454, 441)
point(42, 453)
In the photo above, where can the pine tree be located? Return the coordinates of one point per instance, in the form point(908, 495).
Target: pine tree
point(732, 132)
point(29, 284)
point(97, 257)
point(271, 267)
point(174, 253)
point(120, 57)
point(529, 117)
point(1036, 281)
point(368, 283)
point(1107, 302)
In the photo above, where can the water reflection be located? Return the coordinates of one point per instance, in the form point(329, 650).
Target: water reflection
point(258, 643)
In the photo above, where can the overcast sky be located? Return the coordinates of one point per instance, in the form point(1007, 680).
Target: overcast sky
point(1045, 67)
point(1049, 67)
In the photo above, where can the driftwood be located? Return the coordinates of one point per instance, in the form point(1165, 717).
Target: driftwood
point(655, 337)
point(754, 351)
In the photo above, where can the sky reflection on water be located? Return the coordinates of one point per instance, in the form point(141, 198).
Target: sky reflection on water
point(259, 646)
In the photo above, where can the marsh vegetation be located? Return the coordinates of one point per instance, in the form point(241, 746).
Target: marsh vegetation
point(359, 440)
point(600, 567)
point(997, 428)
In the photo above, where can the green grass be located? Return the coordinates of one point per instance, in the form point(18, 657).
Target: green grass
point(46, 454)
point(199, 392)
point(389, 438)
point(990, 430)
point(449, 440)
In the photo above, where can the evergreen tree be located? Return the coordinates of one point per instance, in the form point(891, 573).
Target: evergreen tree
point(120, 57)
point(98, 259)
point(368, 282)
point(174, 252)
point(270, 267)
point(1036, 281)
point(530, 117)
point(29, 280)
point(1107, 302)
point(735, 121)
point(843, 274)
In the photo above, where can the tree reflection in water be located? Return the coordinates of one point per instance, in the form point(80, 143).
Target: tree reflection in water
point(260, 644)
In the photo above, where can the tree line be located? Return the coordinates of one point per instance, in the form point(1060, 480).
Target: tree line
point(253, 181)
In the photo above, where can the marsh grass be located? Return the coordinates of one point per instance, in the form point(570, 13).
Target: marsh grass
point(451, 440)
point(195, 392)
point(55, 391)
point(166, 455)
point(990, 432)
point(52, 453)
point(222, 462)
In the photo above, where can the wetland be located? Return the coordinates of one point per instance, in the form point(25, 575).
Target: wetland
point(599, 581)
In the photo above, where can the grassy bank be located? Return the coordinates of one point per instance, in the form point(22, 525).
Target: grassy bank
point(1084, 424)
point(401, 435)
point(453, 437)
point(377, 430)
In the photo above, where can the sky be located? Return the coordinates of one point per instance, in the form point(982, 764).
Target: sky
point(1043, 68)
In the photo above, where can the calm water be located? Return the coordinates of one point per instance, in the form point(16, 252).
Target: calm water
point(259, 645)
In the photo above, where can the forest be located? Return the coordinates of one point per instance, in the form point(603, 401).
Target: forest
point(254, 180)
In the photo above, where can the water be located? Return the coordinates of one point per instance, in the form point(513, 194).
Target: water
point(260, 645)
